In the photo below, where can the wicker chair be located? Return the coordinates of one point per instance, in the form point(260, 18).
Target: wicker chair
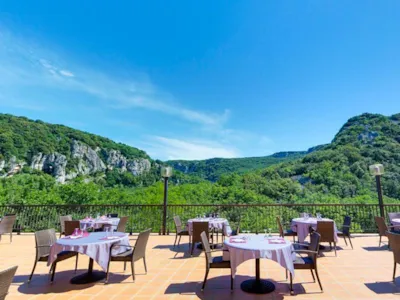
point(132, 253)
point(62, 225)
point(70, 226)
point(345, 232)
point(213, 262)
point(327, 231)
point(308, 262)
point(198, 228)
point(44, 240)
point(383, 228)
point(6, 277)
point(394, 240)
point(7, 225)
point(112, 215)
point(227, 231)
point(179, 231)
point(282, 232)
point(122, 224)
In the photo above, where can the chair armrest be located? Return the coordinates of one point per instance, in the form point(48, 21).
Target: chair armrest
point(123, 245)
point(348, 226)
point(300, 244)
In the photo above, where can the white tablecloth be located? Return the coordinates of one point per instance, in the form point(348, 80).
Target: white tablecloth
point(214, 223)
point(396, 223)
point(257, 246)
point(302, 227)
point(97, 223)
point(93, 246)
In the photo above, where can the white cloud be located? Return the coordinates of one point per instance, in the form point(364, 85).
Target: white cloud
point(67, 73)
point(171, 148)
point(24, 63)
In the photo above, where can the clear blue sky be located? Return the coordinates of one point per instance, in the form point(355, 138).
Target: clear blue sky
point(199, 79)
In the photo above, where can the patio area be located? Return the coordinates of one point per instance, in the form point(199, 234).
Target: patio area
point(362, 273)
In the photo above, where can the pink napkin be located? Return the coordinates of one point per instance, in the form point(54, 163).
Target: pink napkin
point(81, 234)
point(276, 241)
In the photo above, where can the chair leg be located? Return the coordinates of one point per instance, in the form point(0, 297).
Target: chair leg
point(312, 274)
point(205, 279)
point(133, 270)
point(334, 245)
point(11, 237)
point(330, 245)
point(191, 251)
point(124, 266)
point(286, 274)
point(319, 281)
point(33, 270)
point(53, 273)
point(76, 262)
point(291, 283)
point(231, 280)
point(394, 271)
point(351, 244)
point(344, 237)
point(144, 263)
point(179, 240)
point(380, 240)
point(176, 237)
point(108, 272)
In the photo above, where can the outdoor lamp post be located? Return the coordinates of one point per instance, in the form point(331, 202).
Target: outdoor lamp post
point(377, 170)
point(166, 172)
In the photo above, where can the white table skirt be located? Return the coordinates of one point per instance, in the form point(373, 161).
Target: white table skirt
point(92, 246)
point(257, 246)
point(98, 223)
point(302, 227)
point(214, 223)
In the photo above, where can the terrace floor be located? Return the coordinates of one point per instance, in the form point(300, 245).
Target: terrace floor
point(362, 273)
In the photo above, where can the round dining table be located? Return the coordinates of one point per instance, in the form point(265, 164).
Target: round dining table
point(96, 245)
point(396, 223)
point(302, 227)
point(99, 222)
point(214, 223)
point(244, 247)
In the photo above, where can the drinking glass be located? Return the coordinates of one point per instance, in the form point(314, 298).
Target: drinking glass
point(269, 232)
point(265, 232)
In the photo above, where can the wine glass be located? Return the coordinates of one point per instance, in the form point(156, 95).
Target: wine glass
point(269, 232)
point(265, 232)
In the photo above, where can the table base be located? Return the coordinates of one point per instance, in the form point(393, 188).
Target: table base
point(86, 278)
point(255, 286)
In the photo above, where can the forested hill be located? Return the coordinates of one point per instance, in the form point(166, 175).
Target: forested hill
point(212, 169)
point(338, 171)
point(65, 153)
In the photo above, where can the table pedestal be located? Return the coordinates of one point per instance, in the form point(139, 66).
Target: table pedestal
point(89, 277)
point(257, 286)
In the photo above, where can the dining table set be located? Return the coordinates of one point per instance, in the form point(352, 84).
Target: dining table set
point(96, 245)
point(244, 247)
point(98, 222)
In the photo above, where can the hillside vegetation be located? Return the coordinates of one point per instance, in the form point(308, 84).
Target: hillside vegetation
point(212, 169)
point(333, 173)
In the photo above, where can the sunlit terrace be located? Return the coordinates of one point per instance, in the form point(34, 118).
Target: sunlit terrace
point(362, 273)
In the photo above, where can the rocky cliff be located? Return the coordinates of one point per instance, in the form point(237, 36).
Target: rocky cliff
point(84, 161)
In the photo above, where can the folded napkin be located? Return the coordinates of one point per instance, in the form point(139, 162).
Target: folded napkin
point(237, 240)
point(276, 241)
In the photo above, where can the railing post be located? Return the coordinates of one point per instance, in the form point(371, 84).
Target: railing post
point(164, 227)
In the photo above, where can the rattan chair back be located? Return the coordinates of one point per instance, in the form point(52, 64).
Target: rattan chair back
point(70, 226)
point(44, 239)
point(346, 225)
point(394, 215)
point(281, 232)
point(6, 277)
point(327, 231)
point(178, 224)
point(382, 227)
point(7, 224)
point(62, 220)
point(122, 224)
point(206, 247)
point(198, 228)
point(141, 243)
point(394, 242)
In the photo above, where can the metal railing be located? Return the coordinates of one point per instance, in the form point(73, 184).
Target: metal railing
point(255, 218)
